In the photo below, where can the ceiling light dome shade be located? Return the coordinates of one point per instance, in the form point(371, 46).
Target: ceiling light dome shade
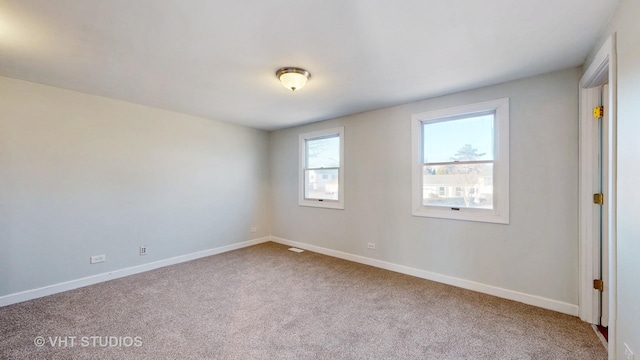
point(293, 78)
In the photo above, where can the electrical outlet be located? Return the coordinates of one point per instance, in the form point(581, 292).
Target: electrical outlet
point(628, 354)
point(143, 250)
point(97, 259)
point(253, 229)
point(371, 246)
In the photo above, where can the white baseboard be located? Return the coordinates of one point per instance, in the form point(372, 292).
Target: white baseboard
point(534, 300)
point(94, 279)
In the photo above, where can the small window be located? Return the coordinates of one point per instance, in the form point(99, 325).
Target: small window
point(321, 164)
point(464, 153)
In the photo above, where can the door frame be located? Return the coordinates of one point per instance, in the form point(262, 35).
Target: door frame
point(602, 70)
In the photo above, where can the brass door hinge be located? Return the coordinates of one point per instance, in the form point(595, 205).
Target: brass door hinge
point(598, 112)
point(598, 199)
point(598, 285)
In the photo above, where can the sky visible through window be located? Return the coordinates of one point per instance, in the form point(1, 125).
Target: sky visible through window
point(442, 140)
point(323, 152)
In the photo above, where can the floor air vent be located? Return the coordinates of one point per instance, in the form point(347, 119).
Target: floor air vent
point(296, 250)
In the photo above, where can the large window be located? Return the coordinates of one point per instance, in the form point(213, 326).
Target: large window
point(321, 169)
point(461, 162)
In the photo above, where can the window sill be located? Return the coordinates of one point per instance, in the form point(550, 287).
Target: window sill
point(487, 216)
point(322, 204)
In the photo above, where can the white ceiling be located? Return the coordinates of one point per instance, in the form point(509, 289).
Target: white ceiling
point(218, 59)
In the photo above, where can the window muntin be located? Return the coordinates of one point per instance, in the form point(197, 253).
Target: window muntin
point(461, 162)
point(321, 177)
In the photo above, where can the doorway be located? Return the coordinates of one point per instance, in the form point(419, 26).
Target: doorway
point(597, 192)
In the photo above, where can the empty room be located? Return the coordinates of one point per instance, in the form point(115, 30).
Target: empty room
point(319, 180)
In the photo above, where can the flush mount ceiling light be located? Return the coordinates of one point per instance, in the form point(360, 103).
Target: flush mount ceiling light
point(293, 78)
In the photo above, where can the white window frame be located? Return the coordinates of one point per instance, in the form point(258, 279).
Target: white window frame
point(302, 159)
point(500, 212)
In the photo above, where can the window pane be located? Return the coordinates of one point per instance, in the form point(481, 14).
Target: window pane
point(464, 139)
point(323, 152)
point(460, 186)
point(321, 184)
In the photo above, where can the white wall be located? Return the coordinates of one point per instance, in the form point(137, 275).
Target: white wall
point(535, 254)
point(82, 175)
point(627, 26)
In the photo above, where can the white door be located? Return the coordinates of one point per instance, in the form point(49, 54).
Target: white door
point(604, 216)
point(600, 215)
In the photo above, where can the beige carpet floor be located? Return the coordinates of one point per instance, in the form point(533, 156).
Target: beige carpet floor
point(265, 302)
